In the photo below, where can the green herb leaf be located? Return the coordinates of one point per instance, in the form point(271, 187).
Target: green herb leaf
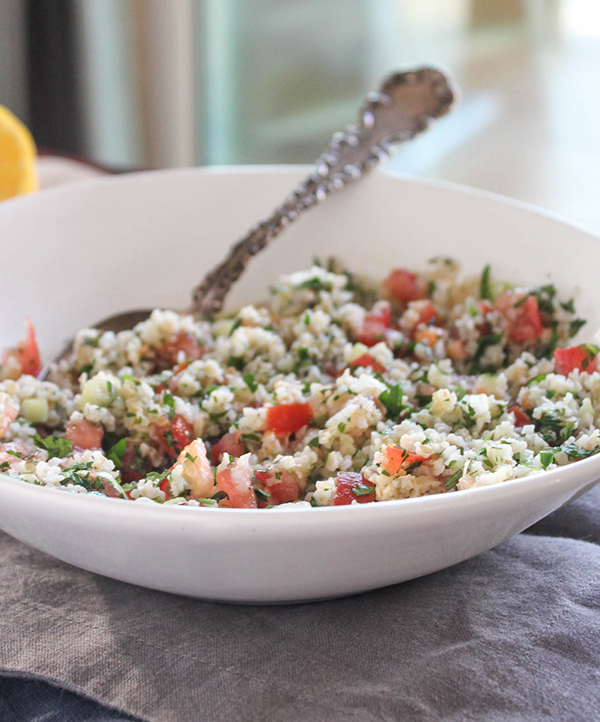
point(251, 437)
point(117, 452)
point(363, 489)
point(575, 326)
point(262, 494)
point(392, 400)
point(235, 325)
point(483, 343)
point(248, 379)
point(546, 458)
point(576, 452)
point(536, 379)
point(453, 480)
point(169, 401)
point(238, 362)
point(485, 288)
point(56, 446)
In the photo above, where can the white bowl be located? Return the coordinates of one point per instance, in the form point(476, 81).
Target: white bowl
point(81, 252)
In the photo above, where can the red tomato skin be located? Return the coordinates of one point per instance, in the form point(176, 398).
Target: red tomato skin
point(527, 325)
point(183, 434)
point(164, 486)
point(84, 434)
point(521, 418)
point(523, 317)
point(168, 354)
point(569, 359)
point(288, 418)
point(376, 323)
point(26, 353)
point(404, 286)
point(345, 483)
point(282, 490)
point(428, 314)
point(229, 443)
point(397, 459)
point(109, 490)
point(239, 489)
point(368, 361)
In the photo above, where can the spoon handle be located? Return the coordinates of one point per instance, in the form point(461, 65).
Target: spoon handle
point(403, 107)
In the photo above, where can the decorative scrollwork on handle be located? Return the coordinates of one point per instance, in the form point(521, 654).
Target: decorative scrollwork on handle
point(404, 106)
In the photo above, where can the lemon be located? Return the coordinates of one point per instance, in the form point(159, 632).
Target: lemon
point(17, 157)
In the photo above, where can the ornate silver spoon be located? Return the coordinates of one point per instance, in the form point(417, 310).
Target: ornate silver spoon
point(403, 107)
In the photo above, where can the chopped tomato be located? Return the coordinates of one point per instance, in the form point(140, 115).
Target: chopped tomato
point(168, 355)
point(8, 415)
point(236, 481)
point(231, 444)
point(428, 336)
point(282, 486)
point(523, 317)
point(176, 435)
point(527, 325)
point(521, 418)
point(26, 353)
point(404, 286)
point(455, 349)
point(108, 488)
point(427, 313)
point(400, 459)
point(287, 418)
point(165, 487)
point(485, 307)
point(367, 360)
point(576, 357)
point(350, 487)
point(84, 434)
point(376, 323)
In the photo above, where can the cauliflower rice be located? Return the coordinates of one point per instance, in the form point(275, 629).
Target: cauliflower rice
point(335, 392)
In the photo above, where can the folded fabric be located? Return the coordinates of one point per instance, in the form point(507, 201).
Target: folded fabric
point(510, 635)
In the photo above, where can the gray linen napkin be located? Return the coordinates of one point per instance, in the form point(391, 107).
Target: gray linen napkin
point(511, 635)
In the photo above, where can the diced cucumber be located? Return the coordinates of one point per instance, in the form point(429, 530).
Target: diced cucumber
point(99, 391)
point(35, 410)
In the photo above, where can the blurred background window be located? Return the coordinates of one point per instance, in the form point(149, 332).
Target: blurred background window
point(132, 84)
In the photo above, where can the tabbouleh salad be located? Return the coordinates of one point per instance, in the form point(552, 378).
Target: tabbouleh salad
point(336, 392)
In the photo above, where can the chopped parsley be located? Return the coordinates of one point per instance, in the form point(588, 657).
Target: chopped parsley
point(453, 480)
point(391, 398)
point(238, 362)
point(117, 452)
point(169, 401)
point(575, 325)
point(363, 489)
point(235, 325)
point(56, 446)
point(484, 342)
point(248, 379)
point(485, 287)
